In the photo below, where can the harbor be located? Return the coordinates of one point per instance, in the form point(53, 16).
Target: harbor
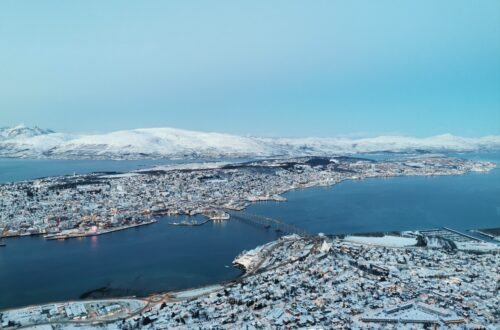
point(78, 234)
point(405, 279)
point(82, 205)
point(141, 261)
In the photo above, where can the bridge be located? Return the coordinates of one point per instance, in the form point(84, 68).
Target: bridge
point(268, 223)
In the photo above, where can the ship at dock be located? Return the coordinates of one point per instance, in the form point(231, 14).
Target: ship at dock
point(217, 215)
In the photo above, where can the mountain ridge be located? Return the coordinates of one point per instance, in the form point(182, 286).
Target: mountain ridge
point(22, 130)
point(164, 142)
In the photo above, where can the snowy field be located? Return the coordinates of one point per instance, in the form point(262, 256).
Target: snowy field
point(389, 241)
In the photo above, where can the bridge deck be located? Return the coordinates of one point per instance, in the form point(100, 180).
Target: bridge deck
point(268, 222)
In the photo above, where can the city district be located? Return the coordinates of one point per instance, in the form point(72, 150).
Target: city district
point(412, 280)
point(85, 205)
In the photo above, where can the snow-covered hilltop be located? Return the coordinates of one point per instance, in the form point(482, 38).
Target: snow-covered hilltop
point(22, 131)
point(25, 142)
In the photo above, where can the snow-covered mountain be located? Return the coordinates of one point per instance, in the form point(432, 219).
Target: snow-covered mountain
point(25, 142)
point(22, 131)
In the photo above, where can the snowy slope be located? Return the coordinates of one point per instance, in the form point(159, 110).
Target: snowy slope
point(21, 131)
point(175, 143)
point(445, 142)
point(161, 142)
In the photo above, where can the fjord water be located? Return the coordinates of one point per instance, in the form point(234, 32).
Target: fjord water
point(469, 201)
point(161, 257)
point(12, 169)
point(139, 261)
point(463, 202)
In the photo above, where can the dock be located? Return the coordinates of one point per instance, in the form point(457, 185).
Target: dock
point(188, 224)
point(60, 236)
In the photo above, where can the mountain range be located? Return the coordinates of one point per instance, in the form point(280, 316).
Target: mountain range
point(151, 143)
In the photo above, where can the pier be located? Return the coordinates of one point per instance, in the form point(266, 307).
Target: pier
point(269, 223)
point(189, 224)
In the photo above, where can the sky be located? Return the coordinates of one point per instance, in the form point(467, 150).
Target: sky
point(267, 68)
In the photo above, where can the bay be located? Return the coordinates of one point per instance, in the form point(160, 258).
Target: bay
point(139, 261)
point(161, 257)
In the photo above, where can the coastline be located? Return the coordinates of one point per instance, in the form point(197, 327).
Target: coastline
point(267, 262)
point(249, 202)
point(63, 236)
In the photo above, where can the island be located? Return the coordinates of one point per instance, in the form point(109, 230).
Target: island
point(98, 203)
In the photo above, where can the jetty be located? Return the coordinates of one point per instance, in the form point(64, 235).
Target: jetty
point(189, 223)
point(68, 235)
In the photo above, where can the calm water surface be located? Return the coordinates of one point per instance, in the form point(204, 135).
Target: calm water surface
point(403, 203)
point(139, 261)
point(161, 257)
point(468, 201)
point(12, 169)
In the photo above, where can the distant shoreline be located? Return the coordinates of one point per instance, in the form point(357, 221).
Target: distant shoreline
point(276, 198)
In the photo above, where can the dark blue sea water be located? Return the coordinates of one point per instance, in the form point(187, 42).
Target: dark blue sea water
point(27, 169)
point(161, 257)
point(12, 169)
point(139, 261)
point(403, 203)
point(468, 201)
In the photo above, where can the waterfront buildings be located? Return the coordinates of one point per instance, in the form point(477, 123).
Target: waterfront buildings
point(75, 206)
point(315, 282)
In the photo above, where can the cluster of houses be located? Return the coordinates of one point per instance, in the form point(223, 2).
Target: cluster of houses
point(84, 312)
point(314, 282)
point(97, 203)
point(325, 283)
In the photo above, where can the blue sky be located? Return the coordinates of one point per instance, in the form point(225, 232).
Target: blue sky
point(273, 68)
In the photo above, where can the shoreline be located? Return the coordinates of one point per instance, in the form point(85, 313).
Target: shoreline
point(276, 194)
point(247, 272)
point(265, 262)
point(108, 231)
point(278, 198)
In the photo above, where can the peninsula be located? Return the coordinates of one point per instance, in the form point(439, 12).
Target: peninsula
point(98, 203)
point(412, 280)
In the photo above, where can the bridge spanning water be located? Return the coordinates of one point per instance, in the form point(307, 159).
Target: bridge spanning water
point(268, 222)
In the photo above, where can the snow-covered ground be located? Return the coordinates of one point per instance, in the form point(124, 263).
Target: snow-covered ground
point(193, 293)
point(477, 246)
point(22, 141)
point(389, 241)
point(248, 259)
point(117, 176)
point(187, 166)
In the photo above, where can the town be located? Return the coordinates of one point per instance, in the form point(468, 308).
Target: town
point(83, 205)
point(404, 281)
